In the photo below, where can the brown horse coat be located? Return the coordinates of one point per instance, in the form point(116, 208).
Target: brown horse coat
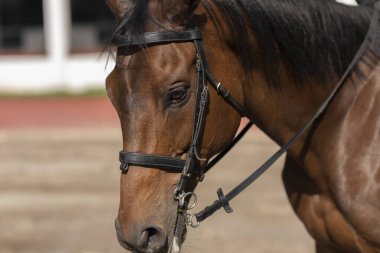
point(334, 185)
point(332, 175)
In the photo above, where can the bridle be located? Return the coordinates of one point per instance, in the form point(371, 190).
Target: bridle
point(191, 167)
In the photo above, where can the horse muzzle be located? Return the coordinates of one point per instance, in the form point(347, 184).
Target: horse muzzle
point(145, 239)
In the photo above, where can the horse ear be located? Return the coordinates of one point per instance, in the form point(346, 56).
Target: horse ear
point(180, 10)
point(119, 7)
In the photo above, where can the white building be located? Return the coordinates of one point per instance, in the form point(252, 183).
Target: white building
point(53, 44)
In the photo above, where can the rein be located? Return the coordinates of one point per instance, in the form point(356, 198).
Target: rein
point(191, 167)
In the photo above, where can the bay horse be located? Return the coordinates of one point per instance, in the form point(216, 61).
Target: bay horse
point(275, 62)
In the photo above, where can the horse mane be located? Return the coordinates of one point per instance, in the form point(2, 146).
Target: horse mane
point(315, 39)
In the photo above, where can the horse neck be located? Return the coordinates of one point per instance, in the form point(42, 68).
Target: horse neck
point(282, 112)
point(279, 111)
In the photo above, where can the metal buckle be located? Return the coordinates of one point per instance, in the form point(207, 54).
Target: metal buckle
point(124, 167)
point(198, 63)
point(191, 220)
point(183, 207)
point(219, 88)
point(181, 198)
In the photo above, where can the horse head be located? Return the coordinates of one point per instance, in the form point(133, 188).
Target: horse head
point(154, 91)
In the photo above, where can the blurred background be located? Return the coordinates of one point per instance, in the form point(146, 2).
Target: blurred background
point(53, 44)
point(60, 137)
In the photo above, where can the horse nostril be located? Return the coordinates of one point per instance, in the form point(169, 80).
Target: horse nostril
point(152, 239)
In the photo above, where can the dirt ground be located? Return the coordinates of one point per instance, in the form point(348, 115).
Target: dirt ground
point(59, 194)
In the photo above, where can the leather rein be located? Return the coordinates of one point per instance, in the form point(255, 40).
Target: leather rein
point(191, 168)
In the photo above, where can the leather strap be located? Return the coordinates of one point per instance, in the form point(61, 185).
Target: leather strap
point(226, 95)
point(169, 164)
point(192, 165)
point(152, 38)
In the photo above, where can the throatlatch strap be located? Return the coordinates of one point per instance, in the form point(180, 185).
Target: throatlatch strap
point(226, 95)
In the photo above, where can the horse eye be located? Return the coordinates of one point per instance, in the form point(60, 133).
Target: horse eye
point(177, 95)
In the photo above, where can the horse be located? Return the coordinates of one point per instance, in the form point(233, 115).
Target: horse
point(275, 62)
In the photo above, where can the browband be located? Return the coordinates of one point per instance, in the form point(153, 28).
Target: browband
point(152, 38)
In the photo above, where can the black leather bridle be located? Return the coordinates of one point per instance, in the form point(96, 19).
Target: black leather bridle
point(191, 168)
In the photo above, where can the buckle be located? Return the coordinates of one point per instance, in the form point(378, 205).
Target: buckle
point(124, 167)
